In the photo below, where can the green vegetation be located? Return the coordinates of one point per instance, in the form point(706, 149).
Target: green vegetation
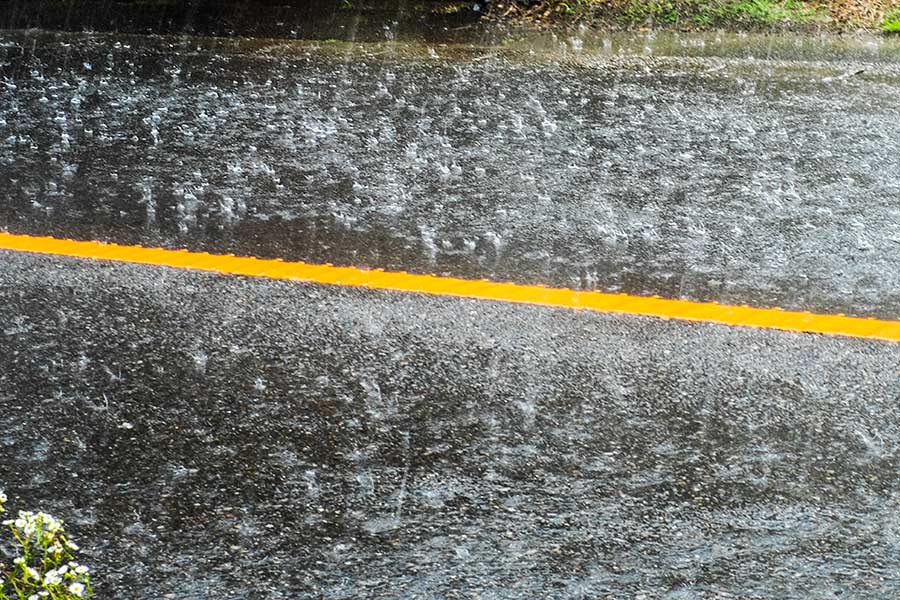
point(766, 11)
point(891, 22)
point(654, 11)
point(697, 13)
point(835, 15)
point(42, 566)
point(727, 14)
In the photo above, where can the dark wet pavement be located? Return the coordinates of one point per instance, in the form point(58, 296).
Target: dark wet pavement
point(222, 437)
point(214, 437)
point(744, 181)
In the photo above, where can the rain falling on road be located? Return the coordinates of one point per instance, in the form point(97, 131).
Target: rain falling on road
point(231, 437)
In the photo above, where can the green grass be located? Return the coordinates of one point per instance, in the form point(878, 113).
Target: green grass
point(891, 22)
point(652, 11)
point(694, 13)
point(764, 12)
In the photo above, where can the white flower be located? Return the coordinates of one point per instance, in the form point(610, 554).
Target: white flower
point(50, 523)
point(29, 572)
point(71, 545)
point(34, 597)
point(77, 589)
point(3, 497)
point(62, 570)
point(81, 569)
point(52, 578)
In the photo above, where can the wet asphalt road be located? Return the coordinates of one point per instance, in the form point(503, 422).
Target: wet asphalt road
point(221, 437)
point(589, 164)
point(213, 437)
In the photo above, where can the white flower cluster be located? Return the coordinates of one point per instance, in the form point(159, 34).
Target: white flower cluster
point(43, 529)
point(41, 572)
point(77, 589)
point(72, 575)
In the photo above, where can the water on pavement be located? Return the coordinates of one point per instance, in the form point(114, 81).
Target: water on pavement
point(646, 166)
point(212, 437)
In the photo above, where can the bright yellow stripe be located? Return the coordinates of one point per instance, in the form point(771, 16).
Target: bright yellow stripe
point(711, 312)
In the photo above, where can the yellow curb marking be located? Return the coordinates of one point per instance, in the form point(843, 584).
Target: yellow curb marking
point(710, 312)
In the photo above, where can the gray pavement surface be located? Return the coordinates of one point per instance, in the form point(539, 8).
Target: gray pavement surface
point(230, 438)
point(770, 182)
point(216, 437)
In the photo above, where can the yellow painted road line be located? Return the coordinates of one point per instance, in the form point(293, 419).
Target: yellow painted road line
point(710, 312)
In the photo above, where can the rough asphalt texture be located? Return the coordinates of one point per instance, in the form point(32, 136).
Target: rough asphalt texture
point(213, 437)
point(772, 183)
point(229, 438)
